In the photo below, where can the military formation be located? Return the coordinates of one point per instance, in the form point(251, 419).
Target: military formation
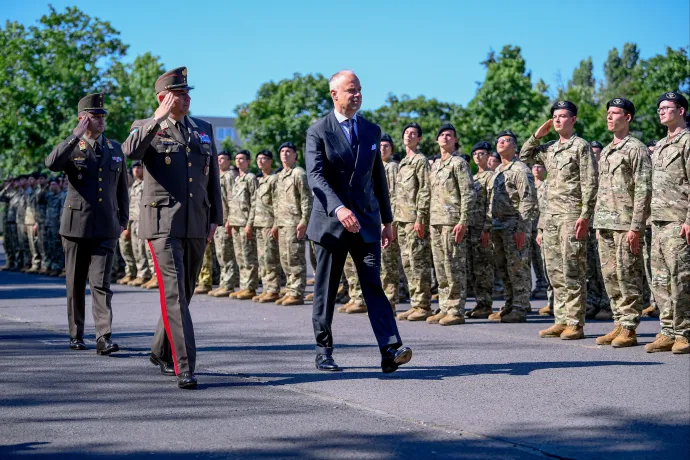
point(604, 228)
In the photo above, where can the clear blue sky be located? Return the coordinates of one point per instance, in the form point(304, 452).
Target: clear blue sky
point(429, 47)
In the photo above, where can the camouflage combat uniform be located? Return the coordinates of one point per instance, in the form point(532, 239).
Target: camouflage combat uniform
point(261, 219)
point(239, 206)
point(225, 253)
point(482, 258)
point(140, 249)
point(542, 197)
point(30, 227)
point(390, 276)
point(126, 244)
point(622, 203)
point(41, 243)
point(11, 197)
point(54, 205)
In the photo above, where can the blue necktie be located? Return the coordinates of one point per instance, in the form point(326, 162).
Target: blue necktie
point(354, 142)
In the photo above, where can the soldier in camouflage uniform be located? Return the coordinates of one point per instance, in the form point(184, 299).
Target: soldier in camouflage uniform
point(411, 221)
point(30, 223)
point(143, 269)
point(390, 275)
point(239, 206)
point(512, 208)
point(671, 227)
point(205, 280)
point(260, 226)
point(54, 203)
point(356, 302)
point(619, 216)
point(651, 307)
point(573, 183)
point(481, 253)
point(40, 200)
point(453, 190)
point(541, 284)
point(292, 211)
point(10, 195)
point(22, 243)
point(225, 253)
point(125, 244)
point(542, 187)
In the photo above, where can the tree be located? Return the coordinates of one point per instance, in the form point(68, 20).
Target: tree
point(581, 90)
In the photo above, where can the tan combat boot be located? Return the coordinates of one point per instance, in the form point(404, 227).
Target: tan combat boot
point(283, 291)
point(435, 318)
point(546, 311)
point(419, 314)
point(290, 300)
point(356, 307)
point(681, 346)
point(495, 316)
point(257, 298)
point(152, 284)
point(452, 320)
point(233, 295)
point(267, 297)
point(342, 308)
point(608, 338)
point(280, 300)
point(127, 279)
point(246, 294)
point(552, 332)
point(310, 282)
point(651, 311)
point(309, 297)
point(138, 282)
point(220, 292)
point(202, 290)
point(625, 338)
point(403, 316)
point(661, 343)
point(573, 333)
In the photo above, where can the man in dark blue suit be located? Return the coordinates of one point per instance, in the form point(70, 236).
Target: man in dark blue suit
point(351, 202)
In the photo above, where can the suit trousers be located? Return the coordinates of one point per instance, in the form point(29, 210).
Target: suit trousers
point(329, 269)
point(92, 259)
point(177, 262)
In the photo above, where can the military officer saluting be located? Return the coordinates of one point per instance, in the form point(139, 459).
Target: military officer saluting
point(180, 210)
point(95, 213)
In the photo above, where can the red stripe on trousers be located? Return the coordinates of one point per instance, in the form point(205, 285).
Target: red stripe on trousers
point(164, 310)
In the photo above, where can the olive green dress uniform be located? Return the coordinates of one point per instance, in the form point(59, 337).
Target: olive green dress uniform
point(95, 212)
point(239, 206)
point(261, 218)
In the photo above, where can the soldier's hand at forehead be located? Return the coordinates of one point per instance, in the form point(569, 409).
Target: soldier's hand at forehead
point(633, 239)
point(685, 231)
point(164, 108)
point(81, 126)
point(544, 129)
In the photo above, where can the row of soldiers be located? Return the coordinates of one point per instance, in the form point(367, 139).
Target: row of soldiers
point(33, 206)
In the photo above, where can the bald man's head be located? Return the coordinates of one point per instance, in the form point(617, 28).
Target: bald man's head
point(346, 92)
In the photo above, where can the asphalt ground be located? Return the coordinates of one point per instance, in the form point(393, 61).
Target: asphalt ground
point(478, 390)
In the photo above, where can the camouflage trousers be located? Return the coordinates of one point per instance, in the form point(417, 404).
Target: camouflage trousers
point(541, 282)
point(246, 257)
point(671, 278)
point(269, 259)
point(31, 236)
point(416, 264)
point(566, 264)
point(353, 284)
point(482, 261)
point(390, 274)
point(205, 279)
point(596, 291)
point(139, 251)
point(11, 244)
point(127, 252)
point(225, 253)
point(513, 266)
point(647, 294)
point(56, 253)
point(549, 289)
point(293, 259)
point(623, 274)
point(22, 246)
point(42, 243)
point(451, 265)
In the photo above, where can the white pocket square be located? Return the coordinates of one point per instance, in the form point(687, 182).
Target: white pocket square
point(373, 146)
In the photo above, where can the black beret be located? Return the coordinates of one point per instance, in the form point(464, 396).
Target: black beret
point(92, 103)
point(567, 105)
point(624, 104)
point(244, 152)
point(674, 97)
point(136, 163)
point(412, 125)
point(495, 156)
point(651, 143)
point(287, 144)
point(507, 132)
point(266, 153)
point(173, 79)
point(225, 153)
point(387, 138)
point(596, 145)
point(446, 127)
point(35, 175)
point(483, 145)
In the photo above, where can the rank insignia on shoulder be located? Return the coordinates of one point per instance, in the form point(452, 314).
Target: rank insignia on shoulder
point(82, 144)
point(204, 138)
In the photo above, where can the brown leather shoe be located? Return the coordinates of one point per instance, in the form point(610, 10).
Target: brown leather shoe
point(546, 311)
point(573, 333)
point(290, 300)
point(138, 282)
point(625, 338)
point(608, 338)
point(247, 294)
point(651, 311)
point(554, 331)
point(419, 314)
point(127, 279)
point(435, 318)
point(356, 307)
point(309, 297)
point(451, 320)
point(681, 346)
point(152, 284)
point(267, 297)
point(661, 343)
point(479, 312)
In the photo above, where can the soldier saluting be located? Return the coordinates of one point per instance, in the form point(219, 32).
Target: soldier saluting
point(95, 213)
point(180, 210)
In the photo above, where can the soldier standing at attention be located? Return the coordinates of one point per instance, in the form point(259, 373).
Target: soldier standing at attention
point(411, 208)
point(40, 199)
point(625, 187)
point(573, 186)
point(96, 212)
point(292, 212)
point(542, 187)
point(390, 276)
point(53, 207)
point(261, 220)
point(144, 271)
point(671, 227)
point(239, 206)
point(10, 196)
point(125, 245)
point(481, 252)
point(512, 208)
point(651, 308)
point(180, 211)
point(453, 191)
point(22, 243)
point(30, 223)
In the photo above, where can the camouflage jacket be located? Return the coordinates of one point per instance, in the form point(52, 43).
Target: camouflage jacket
point(453, 190)
point(53, 209)
point(512, 198)
point(391, 168)
point(625, 186)
point(572, 173)
point(671, 179)
point(261, 213)
point(240, 200)
point(413, 191)
point(542, 192)
point(295, 199)
point(227, 178)
point(136, 191)
point(11, 197)
point(21, 206)
point(39, 199)
point(478, 213)
point(30, 205)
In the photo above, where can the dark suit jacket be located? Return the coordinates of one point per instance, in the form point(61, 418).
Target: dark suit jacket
point(97, 203)
point(181, 196)
point(337, 179)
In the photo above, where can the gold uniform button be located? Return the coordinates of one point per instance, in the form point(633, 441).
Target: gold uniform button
point(190, 179)
point(100, 189)
point(189, 164)
point(69, 206)
point(100, 179)
point(191, 194)
point(100, 199)
point(153, 204)
point(100, 169)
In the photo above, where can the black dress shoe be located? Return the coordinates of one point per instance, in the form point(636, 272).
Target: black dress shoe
point(392, 358)
point(186, 380)
point(105, 346)
point(167, 367)
point(77, 344)
point(326, 363)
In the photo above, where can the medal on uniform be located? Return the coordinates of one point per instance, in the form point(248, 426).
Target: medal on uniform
point(107, 141)
point(168, 160)
point(82, 145)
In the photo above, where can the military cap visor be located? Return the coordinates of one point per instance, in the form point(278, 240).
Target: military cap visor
point(621, 103)
point(673, 97)
point(565, 105)
point(173, 79)
point(92, 103)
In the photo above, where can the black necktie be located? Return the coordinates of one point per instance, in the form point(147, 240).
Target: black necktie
point(97, 149)
point(354, 142)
